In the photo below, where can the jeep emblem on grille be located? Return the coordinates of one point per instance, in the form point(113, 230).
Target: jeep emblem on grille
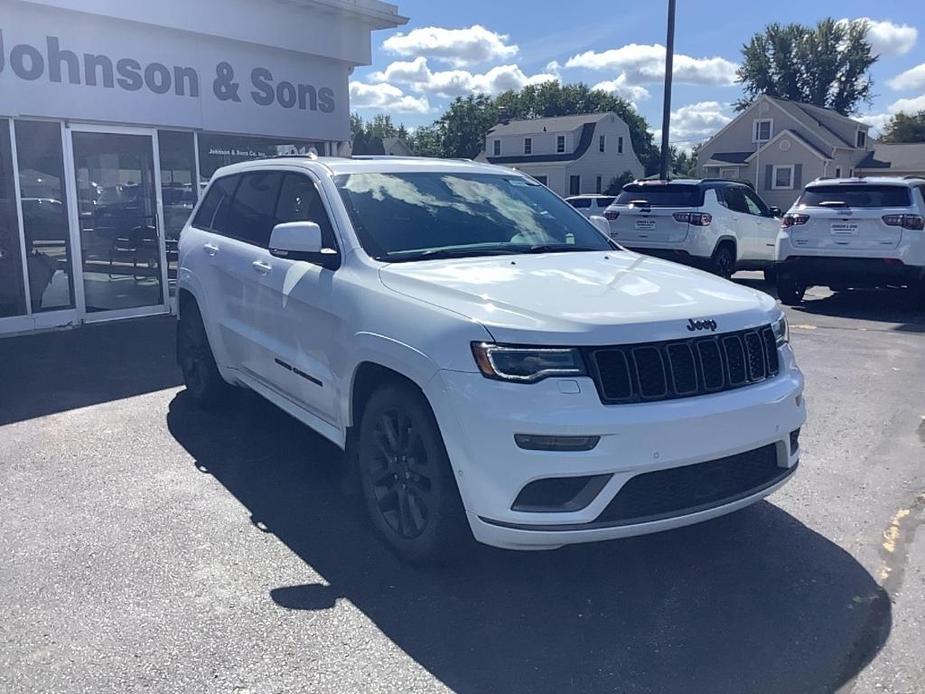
point(693, 325)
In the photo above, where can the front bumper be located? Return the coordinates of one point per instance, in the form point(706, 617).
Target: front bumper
point(479, 417)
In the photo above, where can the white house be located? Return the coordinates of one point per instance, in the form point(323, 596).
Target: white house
point(570, 154)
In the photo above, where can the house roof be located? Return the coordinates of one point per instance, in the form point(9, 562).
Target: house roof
point(539, 125)
point(730, 157)
point(901, 156)
point(587, 134)
point(812, 117)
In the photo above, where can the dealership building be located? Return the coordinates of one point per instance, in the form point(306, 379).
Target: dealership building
point(113, 115)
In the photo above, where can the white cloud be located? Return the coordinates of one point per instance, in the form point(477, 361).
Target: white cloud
point(914, 78)
point(913, 105)
point(458, 47)
point(450, 83)
point(387, 97)
point(620, 87)
point(875, 120)
point(887, 38)
point(645, 64)
point(696, 122)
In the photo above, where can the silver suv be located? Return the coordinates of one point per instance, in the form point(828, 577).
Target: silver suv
point(853, 232)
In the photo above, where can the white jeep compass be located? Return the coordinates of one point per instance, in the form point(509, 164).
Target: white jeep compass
point(493, 365)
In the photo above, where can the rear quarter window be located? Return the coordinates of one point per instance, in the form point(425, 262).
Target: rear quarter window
point(856, 196)
point(670, 195)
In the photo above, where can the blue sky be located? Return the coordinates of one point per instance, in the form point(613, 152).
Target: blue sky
point(456, 48)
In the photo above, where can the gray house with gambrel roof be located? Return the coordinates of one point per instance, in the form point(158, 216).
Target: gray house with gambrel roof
point(570, 154)
point(779, 145)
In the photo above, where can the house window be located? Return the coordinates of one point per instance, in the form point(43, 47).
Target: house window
point(560, 143)
point(598, 184)
point(497, 148)
point(574, 185)
point(620, 145)
point(728, 173)
point(601, 143)
point(761, 130)
point(528, 145)
point(783, 177)
point(862, 139)
point(837, 172)
point(541, 179)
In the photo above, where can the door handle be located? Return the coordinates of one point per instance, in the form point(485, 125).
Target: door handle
point(261, 267)
point(210, 248)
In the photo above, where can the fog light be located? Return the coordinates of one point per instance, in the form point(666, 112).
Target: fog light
point(532, 442)
point(794, 441)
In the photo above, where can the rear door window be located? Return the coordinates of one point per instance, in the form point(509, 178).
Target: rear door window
point(580, 202)
point(856, 196)
point(253, 210)
point(605, 202)
point(665, 195)
point(213, 213)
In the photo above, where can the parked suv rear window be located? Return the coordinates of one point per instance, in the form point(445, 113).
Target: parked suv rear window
point(856, 196)
point(670, 195)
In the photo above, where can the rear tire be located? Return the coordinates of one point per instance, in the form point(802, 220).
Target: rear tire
point(407, 482)
point(789, 289)
point(203, 381)
point(723, 262)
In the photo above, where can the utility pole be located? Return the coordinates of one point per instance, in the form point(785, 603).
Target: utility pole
point(666, 104)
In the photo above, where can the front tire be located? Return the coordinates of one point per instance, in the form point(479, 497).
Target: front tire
point(407, 482)
point(203, 381)
point(723, 262)
point(790, 290)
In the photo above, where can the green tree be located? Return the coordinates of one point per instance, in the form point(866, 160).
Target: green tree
point(904, 127)
point(827, 65)
point(367, 136)
point(616, 184)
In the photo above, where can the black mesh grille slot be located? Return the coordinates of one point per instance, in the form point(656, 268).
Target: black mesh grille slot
point(614, 375)
point(711, 362)
point(683, 368)
point(690, 488)
point(770, 350)
point(651, 372)
point(754, 352)
point(735, 359)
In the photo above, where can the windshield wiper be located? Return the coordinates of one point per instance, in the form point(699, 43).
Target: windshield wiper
point(555, 248)
point(439, 253)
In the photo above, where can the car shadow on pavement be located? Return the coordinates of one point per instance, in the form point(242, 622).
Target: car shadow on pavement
point(879, 305)
point(88, 366)
point(755, 601)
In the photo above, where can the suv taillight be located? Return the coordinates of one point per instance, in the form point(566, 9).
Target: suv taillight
point(792, 220)
point(906, 221)
point(698, 219)
point(611, 215)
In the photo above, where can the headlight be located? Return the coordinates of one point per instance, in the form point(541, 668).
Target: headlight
point(781, 330)
point(526, 364)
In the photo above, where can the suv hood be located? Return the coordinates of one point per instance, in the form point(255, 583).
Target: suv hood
point(585, 298)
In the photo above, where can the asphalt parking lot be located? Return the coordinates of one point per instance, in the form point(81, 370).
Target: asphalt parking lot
point(145, 545)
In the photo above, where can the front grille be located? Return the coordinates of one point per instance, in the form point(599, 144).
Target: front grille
point(683, 368)
point(691, 488)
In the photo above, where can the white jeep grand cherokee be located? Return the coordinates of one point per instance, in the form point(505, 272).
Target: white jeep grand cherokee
point(493, 365)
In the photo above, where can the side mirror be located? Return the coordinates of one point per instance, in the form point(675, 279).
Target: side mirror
point(601, 224)
point(775, 211)
point(302, 241)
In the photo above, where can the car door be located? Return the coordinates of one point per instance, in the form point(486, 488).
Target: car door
point(297, 301)
point(740, 221)
point(766, 228)
point(243, 261)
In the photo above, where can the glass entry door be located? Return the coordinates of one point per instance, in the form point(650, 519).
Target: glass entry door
point(122, 248)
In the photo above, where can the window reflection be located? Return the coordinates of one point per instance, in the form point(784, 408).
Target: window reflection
point(12, 289)
point(178, 191)
point(45, 217)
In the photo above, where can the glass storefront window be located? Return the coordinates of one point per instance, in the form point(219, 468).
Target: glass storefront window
point(45, 216)
point(216, 151)
point(12, 287)
point(178, 191)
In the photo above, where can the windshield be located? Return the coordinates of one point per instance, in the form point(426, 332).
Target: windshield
point(660, 195)
point(856, 196)
point(409, 216)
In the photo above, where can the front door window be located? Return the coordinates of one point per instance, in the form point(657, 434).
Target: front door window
point(117, 210)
